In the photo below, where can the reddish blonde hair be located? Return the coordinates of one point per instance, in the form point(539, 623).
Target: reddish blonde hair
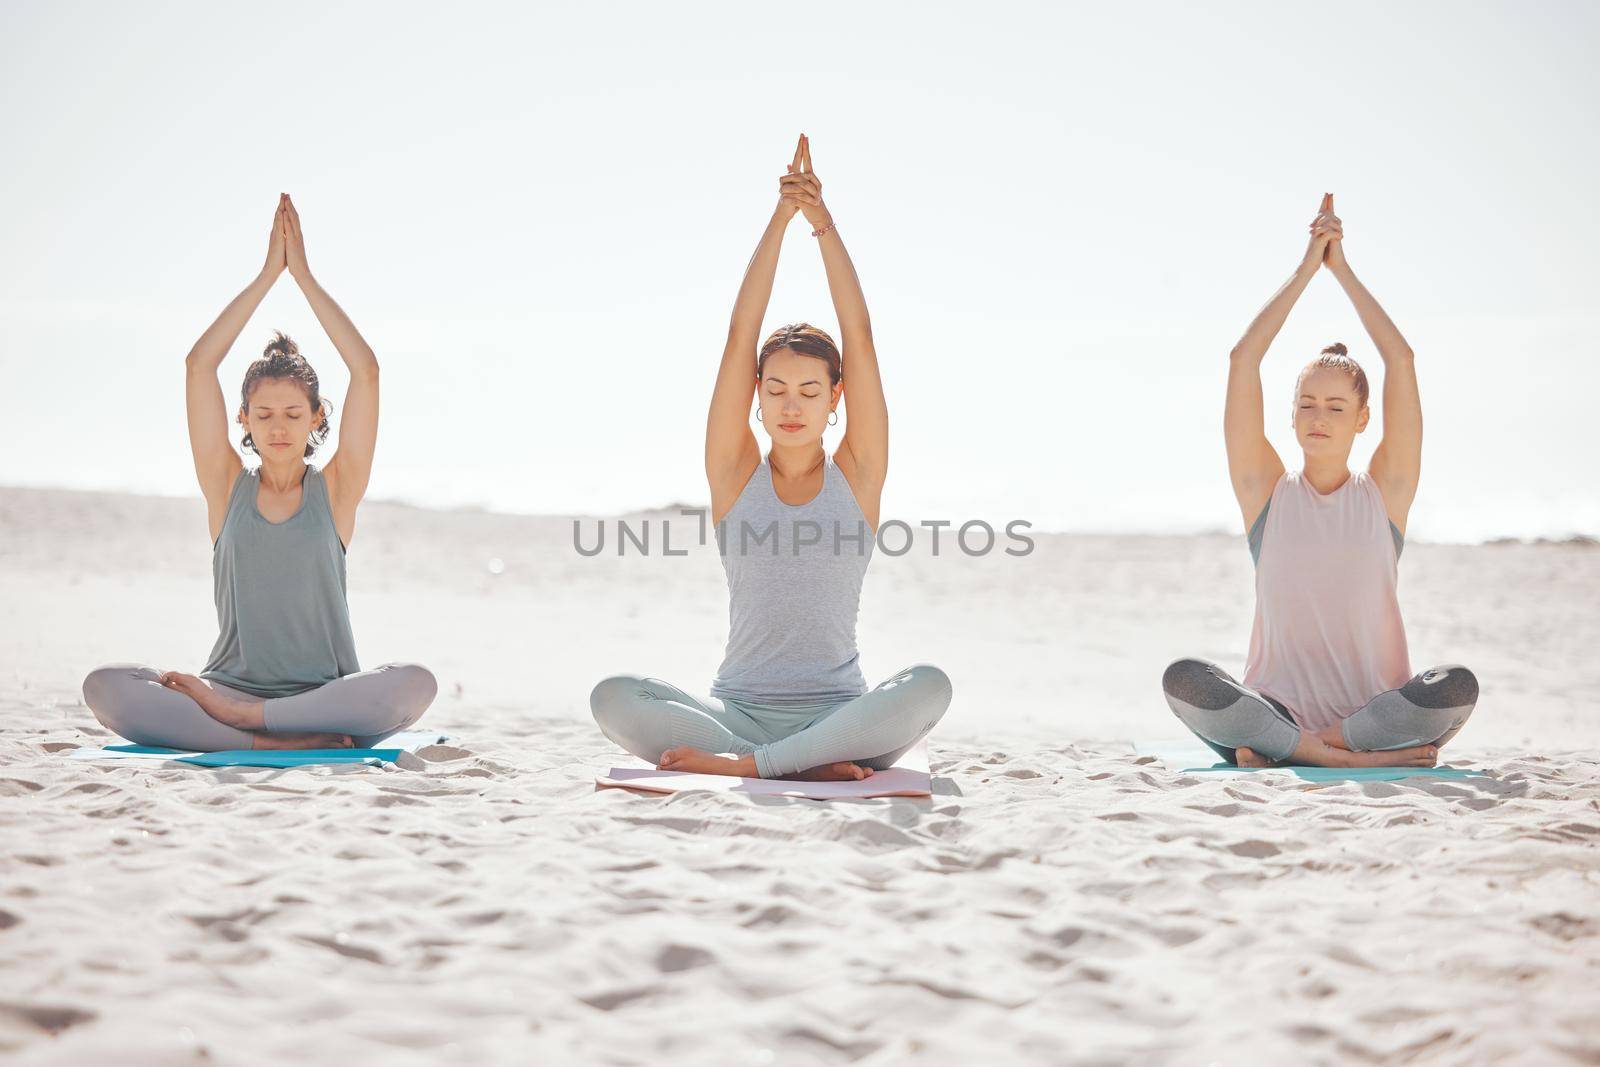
point(1337, 357)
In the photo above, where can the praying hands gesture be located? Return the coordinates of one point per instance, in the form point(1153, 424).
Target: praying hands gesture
point(1326, 247)
point(286, 248)
point(801, 190)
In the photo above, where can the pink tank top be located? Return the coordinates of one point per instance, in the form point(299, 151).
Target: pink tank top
point(1327, 635)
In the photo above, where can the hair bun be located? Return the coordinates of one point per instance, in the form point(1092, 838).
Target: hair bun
point(1337, 349)
point(281, 345)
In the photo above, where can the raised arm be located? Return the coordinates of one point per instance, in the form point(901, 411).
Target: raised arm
point(864, 451)
point(1397, 463)
point(1253, 464)
point(215, 462)
point(731, 449)
point(350, 467)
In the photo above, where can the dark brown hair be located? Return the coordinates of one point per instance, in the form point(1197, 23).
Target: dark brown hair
point(281, 359)
point(806, 339)
point(1337, 357)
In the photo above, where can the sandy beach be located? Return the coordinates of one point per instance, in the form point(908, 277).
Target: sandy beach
point(1058, 900)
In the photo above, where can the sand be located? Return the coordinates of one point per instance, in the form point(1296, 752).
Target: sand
point(1058, 900)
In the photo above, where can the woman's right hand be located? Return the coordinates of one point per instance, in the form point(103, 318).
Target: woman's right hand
point(276, 258)
point(1324, 228)
point(788, 205)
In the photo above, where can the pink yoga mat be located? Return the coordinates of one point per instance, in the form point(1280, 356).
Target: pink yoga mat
point(907, 778)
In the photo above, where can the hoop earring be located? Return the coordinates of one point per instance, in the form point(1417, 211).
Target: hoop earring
point(833, 417)
point(758, 416)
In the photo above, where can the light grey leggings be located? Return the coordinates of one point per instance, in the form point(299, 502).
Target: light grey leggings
point(130, 700)
point(1428, 710)
point(647, 716)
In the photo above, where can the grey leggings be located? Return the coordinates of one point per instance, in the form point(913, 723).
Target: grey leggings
point(130, 700)
point(1428, 710)
point(647, 716)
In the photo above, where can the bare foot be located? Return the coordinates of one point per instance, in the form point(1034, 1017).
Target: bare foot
point(295, 741)
point(1249, 757)
point(833, 772)
point(694, 761)
point(1417, 756)
point(1315, 752)
point(1420, 756)
point(1333, 737)
point(239, 714)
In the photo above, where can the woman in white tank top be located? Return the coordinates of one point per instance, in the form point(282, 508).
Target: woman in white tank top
point(1328, 679)
point(795, 530)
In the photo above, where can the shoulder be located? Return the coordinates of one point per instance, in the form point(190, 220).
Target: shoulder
point(1368, 483)
point(852, 472)
point(327, 477)
point(849, 482)
point(739, 492)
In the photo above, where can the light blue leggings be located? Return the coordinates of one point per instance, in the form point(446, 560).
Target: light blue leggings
point(647, 716)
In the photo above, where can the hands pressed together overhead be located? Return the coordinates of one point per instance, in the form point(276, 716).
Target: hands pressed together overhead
point(286, 249)
point(801, 190)
point(1326, 248)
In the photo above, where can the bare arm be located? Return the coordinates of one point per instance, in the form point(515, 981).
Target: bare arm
point(864, 450)
point(215, 462)
point(1397, 463)
point(731, 449)
point(348, 471)
point(1253, 464)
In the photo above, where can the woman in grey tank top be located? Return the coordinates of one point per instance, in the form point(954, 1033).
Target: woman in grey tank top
point(795, 530)
point(283, 672)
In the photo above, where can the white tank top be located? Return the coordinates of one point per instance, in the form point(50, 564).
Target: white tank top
point(1327, 635)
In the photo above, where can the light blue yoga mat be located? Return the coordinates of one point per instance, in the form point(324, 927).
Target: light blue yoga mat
point(406, 741)
point(1192, 757)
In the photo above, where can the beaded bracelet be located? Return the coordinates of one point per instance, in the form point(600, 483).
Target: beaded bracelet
point(825, 229)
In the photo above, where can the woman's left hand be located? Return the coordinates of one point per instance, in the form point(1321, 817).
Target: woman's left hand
point(1333, 255)
point(804, 189)
point(294, 245)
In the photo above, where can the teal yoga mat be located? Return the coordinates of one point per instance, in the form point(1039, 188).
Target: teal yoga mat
point(1191, 757)
point(407, 741)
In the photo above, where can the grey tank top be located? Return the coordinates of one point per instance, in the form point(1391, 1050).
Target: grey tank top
point(283, 622)
point(794, 589)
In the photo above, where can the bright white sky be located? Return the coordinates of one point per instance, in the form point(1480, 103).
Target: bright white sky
point(1063, 219)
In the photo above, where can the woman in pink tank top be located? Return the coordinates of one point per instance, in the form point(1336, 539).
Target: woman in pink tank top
point(1328, 677)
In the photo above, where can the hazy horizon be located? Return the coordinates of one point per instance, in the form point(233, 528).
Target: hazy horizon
point(1063, 219)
